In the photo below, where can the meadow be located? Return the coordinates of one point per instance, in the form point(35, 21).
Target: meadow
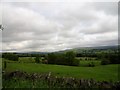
point(99, 72)
point(27, 73)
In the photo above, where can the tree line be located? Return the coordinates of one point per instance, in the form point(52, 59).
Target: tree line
point(67, 58)
point(10, 56)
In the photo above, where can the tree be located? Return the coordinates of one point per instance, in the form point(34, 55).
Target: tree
point(67, 58)
point(10, 56)
point(70, 57)
point(37, 59)
point(76, 62)
point(51, 58)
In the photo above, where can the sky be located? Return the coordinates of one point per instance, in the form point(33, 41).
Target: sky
point(53, 26)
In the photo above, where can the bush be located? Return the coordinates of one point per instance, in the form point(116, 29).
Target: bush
point(105, 62)
point(37, 60)
point(91, 64)
point(86, 59)
point(76, 62)
point(114, 58)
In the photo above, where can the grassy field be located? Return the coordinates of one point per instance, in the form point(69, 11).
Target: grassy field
point(100, 72)
point(85, 63)
point(27, 59)
point(27, 64)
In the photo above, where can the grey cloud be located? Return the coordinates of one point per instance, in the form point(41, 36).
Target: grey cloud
point(108, 7)
point(58, 26)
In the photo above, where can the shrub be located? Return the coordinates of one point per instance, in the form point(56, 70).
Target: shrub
point(76, 62)
point(96, 58)
point(114, 58)
point(91, 64)
point(86, 59)
point(37, 60)
point(105, 62)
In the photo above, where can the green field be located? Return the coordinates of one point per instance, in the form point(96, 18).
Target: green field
point(86, 63)
point(83, 71)
point(100, 72)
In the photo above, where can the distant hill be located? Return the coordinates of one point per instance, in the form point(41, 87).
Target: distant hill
point(81, 49)
point(101, 47)
point(78, 50)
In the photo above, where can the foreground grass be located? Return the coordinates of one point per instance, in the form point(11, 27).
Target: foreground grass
point(99, 73)
point(53, 82)
point(22, 83)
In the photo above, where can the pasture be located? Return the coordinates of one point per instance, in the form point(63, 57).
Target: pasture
point(99, 72)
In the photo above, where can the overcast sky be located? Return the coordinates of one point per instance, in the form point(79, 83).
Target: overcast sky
point(53, 26)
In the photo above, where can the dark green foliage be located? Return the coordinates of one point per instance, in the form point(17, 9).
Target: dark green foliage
point(67, 58)
point(96, 59)
point(70, 57)
point(59, 59)
point(91, 64)
point(111, 58)
point(5, 64)
point(76, 62)
point(51, 58)
point(10, 56)
point(46, 56)
point(114, 58)
point(105, 62)
point(85, 58)
point(37, 59)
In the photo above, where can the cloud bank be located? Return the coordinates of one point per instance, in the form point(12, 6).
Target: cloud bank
point(53, 26)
